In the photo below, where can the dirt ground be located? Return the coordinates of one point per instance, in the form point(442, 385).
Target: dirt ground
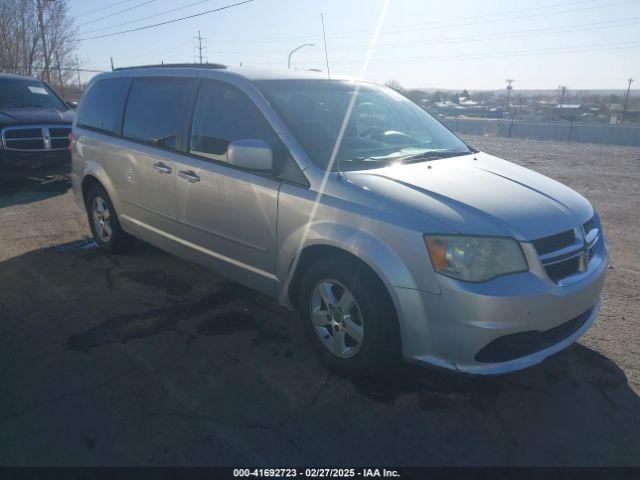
point(144, 359)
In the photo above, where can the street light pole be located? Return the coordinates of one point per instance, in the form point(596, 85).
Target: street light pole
point(296, 49)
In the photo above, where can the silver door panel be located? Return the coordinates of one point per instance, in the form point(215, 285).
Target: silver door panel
point(230, 216)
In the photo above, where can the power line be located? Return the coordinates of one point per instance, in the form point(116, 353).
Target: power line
point(494, 55)
point(625, 22)
point(460, 21)
point(102, 8)
point(483, 56)
point(169, 21)
point(445, 24)
point(499, 36)
point(159, 14)
point(117, 13)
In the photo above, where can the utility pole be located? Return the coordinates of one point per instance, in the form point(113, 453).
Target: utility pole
point(199, 47)
point(111, 58)
point(626, 100)
point(60, 76)
point(563, 89)
point(43, 36)
point(78, 74)
point(324, 38)
point(509, 88)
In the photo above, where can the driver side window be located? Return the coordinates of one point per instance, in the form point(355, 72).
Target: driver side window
point(222, 115)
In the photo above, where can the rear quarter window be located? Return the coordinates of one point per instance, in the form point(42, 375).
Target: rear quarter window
point(102, 105)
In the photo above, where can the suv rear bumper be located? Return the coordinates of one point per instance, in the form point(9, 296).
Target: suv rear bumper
point(503, 325)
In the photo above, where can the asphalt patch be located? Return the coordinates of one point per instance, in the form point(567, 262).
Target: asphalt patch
point(159, 280)
point(228, 323)
point(122, 328)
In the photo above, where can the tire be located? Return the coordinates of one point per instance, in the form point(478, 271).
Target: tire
point(378, 351)
point(104, 224)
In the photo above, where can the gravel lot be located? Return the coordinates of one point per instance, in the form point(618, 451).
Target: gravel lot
point(144, 359)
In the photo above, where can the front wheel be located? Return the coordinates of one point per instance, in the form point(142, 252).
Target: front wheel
point(104, 224)
point(348, 318)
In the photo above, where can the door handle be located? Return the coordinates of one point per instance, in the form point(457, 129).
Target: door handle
point(189, 175)
point(161, 167)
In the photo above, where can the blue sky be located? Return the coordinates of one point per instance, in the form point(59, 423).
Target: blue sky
point(423, 43)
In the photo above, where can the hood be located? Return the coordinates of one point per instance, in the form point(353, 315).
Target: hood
point(36, 116)
point(480, 194)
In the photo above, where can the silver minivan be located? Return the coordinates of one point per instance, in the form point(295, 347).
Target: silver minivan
point(392, 237)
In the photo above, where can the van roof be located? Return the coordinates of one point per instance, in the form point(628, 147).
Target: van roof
point(220, 70)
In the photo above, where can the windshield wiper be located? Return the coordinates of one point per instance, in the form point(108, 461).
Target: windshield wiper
point(431, 155)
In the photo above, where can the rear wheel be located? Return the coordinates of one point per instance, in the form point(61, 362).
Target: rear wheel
point(348, 318)
point(104, 224)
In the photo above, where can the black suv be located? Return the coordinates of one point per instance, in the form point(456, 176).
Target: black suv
point(34, 124)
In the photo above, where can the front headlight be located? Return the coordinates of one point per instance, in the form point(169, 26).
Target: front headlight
point(474, 259)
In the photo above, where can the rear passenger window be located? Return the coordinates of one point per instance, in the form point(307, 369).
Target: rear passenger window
point(155, 110)
point(224, 114)
point(102, 105)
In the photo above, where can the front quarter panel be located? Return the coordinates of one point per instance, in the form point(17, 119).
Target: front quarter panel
point(395, 252)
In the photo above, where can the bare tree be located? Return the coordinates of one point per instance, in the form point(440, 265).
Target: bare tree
point(395, 85)
point(21, 47)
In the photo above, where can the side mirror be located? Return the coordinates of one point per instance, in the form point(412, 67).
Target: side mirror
point(252, 154)
point(72, 104)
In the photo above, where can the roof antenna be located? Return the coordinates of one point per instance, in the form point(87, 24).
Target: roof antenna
point(324, 37)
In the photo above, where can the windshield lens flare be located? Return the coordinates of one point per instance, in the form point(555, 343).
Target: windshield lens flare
point(383, 125)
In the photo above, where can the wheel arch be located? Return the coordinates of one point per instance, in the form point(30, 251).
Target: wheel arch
point(312, 253)
point(339, 239)
point(94, 174)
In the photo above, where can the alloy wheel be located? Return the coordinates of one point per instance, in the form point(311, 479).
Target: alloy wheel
point(102, 219)
point(337, 318)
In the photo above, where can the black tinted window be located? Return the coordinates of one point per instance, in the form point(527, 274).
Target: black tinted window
point(155, 110)
point(18, 93)
point(224, 114)
point(102, 105)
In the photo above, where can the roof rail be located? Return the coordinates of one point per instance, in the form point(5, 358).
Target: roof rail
point(174, 65)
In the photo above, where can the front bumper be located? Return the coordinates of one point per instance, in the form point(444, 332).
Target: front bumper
point(26, 159)
point(454, 329)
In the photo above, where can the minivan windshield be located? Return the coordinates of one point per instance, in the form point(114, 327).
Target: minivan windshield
point(384, 127)
point(22, 93)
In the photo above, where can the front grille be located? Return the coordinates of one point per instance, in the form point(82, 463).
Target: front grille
point(564, 269)
point(25, 144)
point(521, 344)
point(554, 242)
point(59, 132)
point(589, 224)
point(36, 138)
point(568, 253)
point(23, 133)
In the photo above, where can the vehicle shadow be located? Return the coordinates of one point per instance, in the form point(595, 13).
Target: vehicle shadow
point(21, 186)
point(576, 408)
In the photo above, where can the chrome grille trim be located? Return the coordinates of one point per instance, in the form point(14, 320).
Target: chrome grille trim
point(45, 137)
point(583, 248)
